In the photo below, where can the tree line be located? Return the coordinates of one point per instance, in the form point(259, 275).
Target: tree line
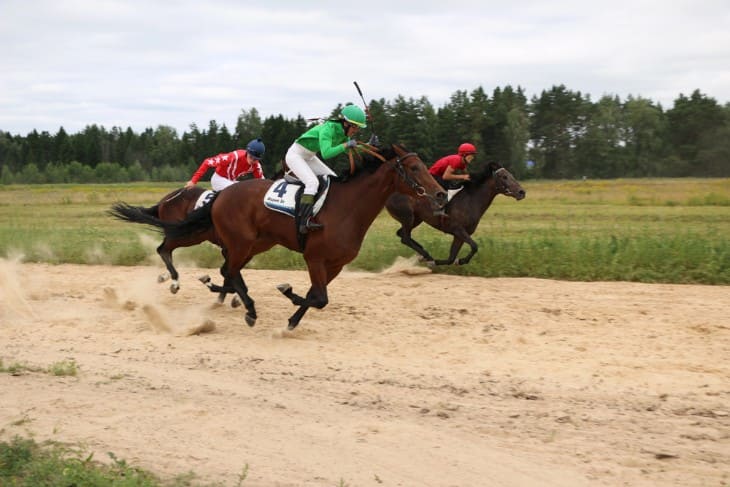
point(559, 134)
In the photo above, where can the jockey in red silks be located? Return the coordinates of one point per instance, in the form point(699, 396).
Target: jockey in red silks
point(233, 166)
point(448, 170)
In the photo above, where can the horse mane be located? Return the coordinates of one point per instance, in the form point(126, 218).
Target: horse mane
point(477, 178)
point(366, 163)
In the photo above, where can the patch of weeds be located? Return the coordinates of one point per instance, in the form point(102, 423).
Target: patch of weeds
point(17, 368)
point(64, 368)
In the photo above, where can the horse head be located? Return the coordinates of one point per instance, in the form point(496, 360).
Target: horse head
point(413, 176)
point(505, 183)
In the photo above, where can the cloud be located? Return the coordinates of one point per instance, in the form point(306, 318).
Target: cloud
point(142, 64)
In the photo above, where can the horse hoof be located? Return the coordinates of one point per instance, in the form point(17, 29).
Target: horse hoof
point(235, 302)
point(204, 279)
point(162, 278)
point(250, 320)
point(174, 288)
point(291, 326)
point(284, 288)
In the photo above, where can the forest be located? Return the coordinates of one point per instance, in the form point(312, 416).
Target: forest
point(560, 134)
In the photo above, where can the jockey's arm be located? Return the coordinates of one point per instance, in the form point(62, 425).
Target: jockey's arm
point(450, 175)
point(326, 143)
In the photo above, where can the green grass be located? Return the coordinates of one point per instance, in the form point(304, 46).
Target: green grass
point(648, 230)
point(25, 463)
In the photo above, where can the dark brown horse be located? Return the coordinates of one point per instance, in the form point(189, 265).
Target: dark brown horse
point(463, 212)
point(173, 207)
point(246, 227)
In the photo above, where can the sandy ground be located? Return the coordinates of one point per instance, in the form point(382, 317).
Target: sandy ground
point(405, 379)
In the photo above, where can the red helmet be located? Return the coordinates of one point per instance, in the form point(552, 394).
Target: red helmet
point(466, 148)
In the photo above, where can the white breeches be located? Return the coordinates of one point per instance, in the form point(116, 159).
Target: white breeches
point(219, 183)
point(306, 166)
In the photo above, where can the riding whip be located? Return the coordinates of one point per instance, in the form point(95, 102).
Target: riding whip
point(367, 111)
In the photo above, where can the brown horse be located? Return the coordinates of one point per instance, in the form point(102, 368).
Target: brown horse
point(176, 206)
point(246, 227)
point(463, 212)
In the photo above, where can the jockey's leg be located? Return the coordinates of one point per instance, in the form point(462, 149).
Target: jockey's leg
point(301, 162)
point(219, 183)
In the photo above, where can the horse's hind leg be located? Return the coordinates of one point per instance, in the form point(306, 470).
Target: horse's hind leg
point(165, 254)
point(235, 301)
point(240, 286)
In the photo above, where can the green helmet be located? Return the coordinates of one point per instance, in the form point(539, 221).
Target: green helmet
point(354, 114)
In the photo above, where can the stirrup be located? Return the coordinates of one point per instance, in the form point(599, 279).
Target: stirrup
point(310, 226)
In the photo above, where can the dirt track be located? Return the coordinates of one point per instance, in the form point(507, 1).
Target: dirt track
point(494, 382)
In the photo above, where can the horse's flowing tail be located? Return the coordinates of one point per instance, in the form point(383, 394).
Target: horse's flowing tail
point(198, 221)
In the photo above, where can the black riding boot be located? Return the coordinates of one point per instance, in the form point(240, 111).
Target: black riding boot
point(305, 217)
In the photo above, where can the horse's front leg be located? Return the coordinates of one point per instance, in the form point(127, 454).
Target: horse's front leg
point(473, 249)
point(313, 299)
point(407, 240)
point(455, 247)
point(316, 296)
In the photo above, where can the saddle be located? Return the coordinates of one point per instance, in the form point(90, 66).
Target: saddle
point(284, 194)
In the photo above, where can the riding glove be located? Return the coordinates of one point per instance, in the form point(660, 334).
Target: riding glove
point(351, 143)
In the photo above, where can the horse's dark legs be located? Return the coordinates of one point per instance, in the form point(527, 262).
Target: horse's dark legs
point(166, 255)
point(407, 240)
point(235, 301)
point(472, 252)
point(320, 276)
point(313, 300)
point(240, 286)
point(460, 236)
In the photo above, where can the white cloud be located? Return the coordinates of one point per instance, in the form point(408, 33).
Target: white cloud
point(141, 64)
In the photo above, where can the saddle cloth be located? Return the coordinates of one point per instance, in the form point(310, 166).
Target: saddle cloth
point(204, 198)
point(282, 195)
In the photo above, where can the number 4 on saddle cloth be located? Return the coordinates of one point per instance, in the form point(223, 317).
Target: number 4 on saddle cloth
point(284, 193)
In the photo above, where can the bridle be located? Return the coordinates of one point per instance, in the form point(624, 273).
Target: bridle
point(499, 185)
point(400, 169)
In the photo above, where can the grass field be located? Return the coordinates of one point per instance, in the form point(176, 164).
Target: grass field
point(649, 230)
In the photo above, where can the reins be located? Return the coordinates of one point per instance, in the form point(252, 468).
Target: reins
point(362, 147)
point(397, 165)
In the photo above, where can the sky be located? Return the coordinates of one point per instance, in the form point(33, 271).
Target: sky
point(146, 63)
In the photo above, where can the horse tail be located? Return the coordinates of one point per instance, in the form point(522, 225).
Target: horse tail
point(137, 214)
point(198, 221)
point(152, 210)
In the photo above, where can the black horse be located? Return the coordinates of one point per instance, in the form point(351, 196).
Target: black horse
point(463, 212)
